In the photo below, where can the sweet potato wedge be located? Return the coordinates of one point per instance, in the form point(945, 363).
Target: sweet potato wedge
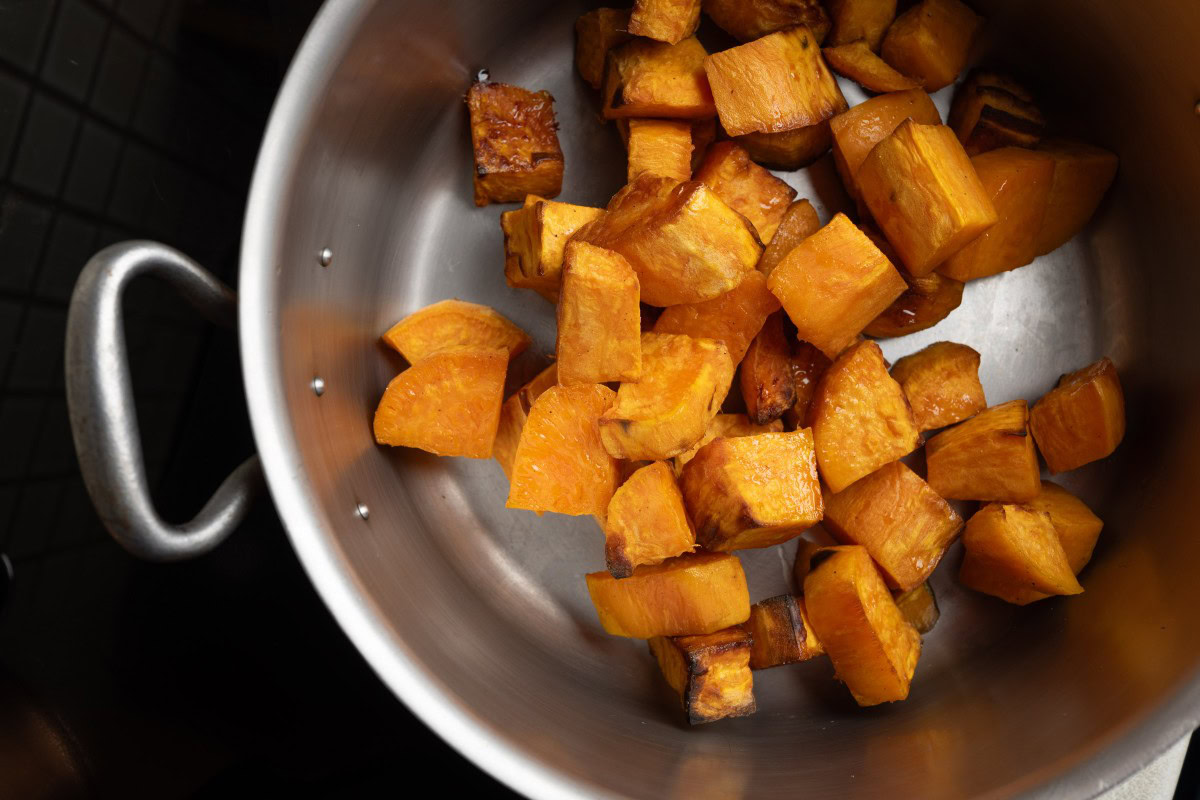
point(991, 110)
point(927, 301)
point(1082, 419)
point(710, 673)
point(787, 150)
point(990, 457)
point(665, 20)
point(799, 222)
point(746, 187)
point(725, 426)
point(535, 241)
point(1013, 553)
point(857, 131)
point(514, 136)
point(454, 323)
point(942, 384)
point(514, 414)
point(919, 607)
point(766, 380)
point(597, 32)
point(646, 521)
point(733, 318)
point(780, 633)
point(859, 63)
point(1077, 527)
point(931, 41)
point(746, 20)
point(1082, 175)
point(645, 78)
point(599, 318)
point(660, 147)
point(808, 365)
point(865, 20)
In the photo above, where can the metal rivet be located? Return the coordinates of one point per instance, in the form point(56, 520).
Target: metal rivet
point(483, 75)
point(363, 511)
point(325, 257)
point(318, 386)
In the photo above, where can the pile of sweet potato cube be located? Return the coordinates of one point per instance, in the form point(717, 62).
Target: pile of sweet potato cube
point(704, 267)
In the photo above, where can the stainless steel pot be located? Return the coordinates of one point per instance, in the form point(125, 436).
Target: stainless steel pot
point(477, 616)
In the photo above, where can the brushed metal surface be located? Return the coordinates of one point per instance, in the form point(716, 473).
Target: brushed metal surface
point(477, 616)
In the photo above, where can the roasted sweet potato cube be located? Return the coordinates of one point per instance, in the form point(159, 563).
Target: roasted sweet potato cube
point(683, 384)
point(814, 539)
point(1077, 527)
point(857, 62)
point(665, 20)
point(799, 222)
point(766, 379)
point(931, 41)
point(927, 301)
point(515, 139)
point(752, 491)
point(732, 318)
point(857, 131)
point(704, 133)
point(1013, 553)
point(924, 194)
point(905, 525)
point(645, 78)
point(787, 150)
point(1082, 419)
point(865, 20)
point(725, 426)
point(991, 110)
point(660, 147)
point(513, 415)
point(597, 32)
point(599, 318)
point(535, 240)
point(942, 384)
point(646, 521)
point(560, 463)
point(919, 607)
point(873, 648)
point(746, 20)
point(454, 323)
point(860, 417)
point(1082, 175)
point(447, 403)
point(776, 83)
point(701, 592)
point(710, 673)
point(746, 187)
point(988, 457)
point(1018, 182)
point(780, 633)
point(834, 283)
point(808, 365)
point(684, 242)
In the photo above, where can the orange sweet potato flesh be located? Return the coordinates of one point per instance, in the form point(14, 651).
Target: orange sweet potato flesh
point(834, 283)
point(710, 673)
point(665, 20)
point(733, 318)
point(560, 464)
point(513, 415)
point(1013, 553)
point(857, 62)
point(660, 147)
point(1082, 175)
point(1082, 419)
point(808, 365)
point(781, 633)
point(599, 318)
point(990, 457)
point(746, 20)
point(773, 84)
point(704, 133)
point(514, 136)
point(746, 187)
point(696, 592)
point(535, 241)
point(865, 20)
point(1077, 527)
point(919, 606)
point(596, 33)
point(904, 524)
point(1018, 182)
point(860, 417)
point(873, 648)
point(447, 403)
point(931, 41)
point(766, 379)
point(752, 491)
point(725, 426)
point(646, 521)
point(799, 222)
point(787, 150)
point(923, 192)
point(645, 78)
point(857, 131)
point(927, 301)
point(454, 323)
point(942, 384)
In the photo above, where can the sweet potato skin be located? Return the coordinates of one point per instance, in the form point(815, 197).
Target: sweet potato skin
point(766, 380)
point(646, 522)
point(942, 384)
point(808, 365)
point(599, 318)
point(989, 457)
point(514, 136)
point(927, 301)
point(733, 318)
point(1082, 419)
point(710, 673)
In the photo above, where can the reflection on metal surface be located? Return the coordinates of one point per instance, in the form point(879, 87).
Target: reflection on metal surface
point(325, 257)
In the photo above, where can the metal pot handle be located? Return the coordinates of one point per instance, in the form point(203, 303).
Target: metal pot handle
point(103, 418)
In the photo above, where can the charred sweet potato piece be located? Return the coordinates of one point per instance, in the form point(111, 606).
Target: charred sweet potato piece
point(808, 365)
point(513, 415)
point(942, 384)
point(991, 110)
point(780, 633)
point(988, 457)
point(919, 607)
point(776, 83)
point(725, 426)
point(1077, 527)
point(860, 417)
point(931, 41)
point(1018, 182)
point(799, 222)
point(1082, 175)
point(905, 525)
point(873, 648)
point(857, 62)
point(665, 20)
point(732, 318)
point(514, 136)
point(746, 20)
point(645, 78)
point(683, 383)
point(1013, 553)
point(814, 539)
point(454, 323)
point(701, 592)
point(560, 463)
point(766, 379)
point(660, 147)
point(710, 673)
point(857, 131)
point(535, 240)
point(597, 32)
point(447, 403)
point(1082, 419)
point(599, 318)
point(927, 301)
point(834, 283)
point(646, 521)
point(865, 20)
point(684, 242)
point(924, 194)
point(787, 150)
point(746, 187)
point(752, 491)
